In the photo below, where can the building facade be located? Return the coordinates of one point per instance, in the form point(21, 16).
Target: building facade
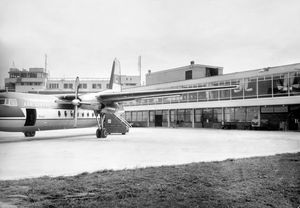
point(267, 98)
point(192, 71)
point(36, 80)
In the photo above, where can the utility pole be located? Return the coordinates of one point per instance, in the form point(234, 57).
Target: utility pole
point(140, 69)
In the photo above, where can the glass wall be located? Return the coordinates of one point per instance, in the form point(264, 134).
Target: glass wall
point(284, 84)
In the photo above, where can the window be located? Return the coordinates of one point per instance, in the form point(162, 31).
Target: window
point(251, 113)
point(172, 116)
point(165, 116)
point(145, 115)
point(59, 114)
point(217, 115)
point(211, 72)
point(139, 116)
point(68, 86)
point(128, 116)
point(240, 114)
point(229, 114)
point(83, 86)
point(264, 87)
point(66, 114)
point(96, 86)
point(152, 116)
point(188, 75)
point(202, 96)
point(134, 116)
point(107, 86)
point(198, 115)
point(207, 115)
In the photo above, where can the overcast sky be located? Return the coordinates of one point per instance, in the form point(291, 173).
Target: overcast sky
point(83, 37)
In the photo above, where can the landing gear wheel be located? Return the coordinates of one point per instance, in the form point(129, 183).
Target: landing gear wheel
point(98, 133)
point(29, 133)
point(104, 133)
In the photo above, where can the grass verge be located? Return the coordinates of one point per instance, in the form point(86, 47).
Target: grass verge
point(272, 181)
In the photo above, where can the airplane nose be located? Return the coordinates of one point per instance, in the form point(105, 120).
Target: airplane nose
point(10, 111)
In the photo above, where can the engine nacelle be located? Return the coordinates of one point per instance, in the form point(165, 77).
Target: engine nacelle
point(111, 108)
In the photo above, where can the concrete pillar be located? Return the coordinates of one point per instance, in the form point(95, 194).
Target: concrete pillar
point(148, 120)
point(193, 118)
point(169, 123)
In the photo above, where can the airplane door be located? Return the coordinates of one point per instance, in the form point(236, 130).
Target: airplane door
point(30, 117)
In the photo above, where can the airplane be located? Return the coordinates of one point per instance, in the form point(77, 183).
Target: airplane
point(28, 113)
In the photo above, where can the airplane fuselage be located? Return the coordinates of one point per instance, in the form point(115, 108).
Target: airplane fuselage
point(21, 112)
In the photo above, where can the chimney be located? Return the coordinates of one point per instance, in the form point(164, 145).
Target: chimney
point(192, 62)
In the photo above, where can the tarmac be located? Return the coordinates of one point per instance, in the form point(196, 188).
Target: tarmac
point(73, 151)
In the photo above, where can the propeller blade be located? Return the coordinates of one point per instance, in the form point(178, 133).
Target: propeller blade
point(76, 87)
point(75, 115)
point(76, 102)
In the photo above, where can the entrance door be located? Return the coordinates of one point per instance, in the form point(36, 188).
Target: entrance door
point(30, 117)
point(158, 120)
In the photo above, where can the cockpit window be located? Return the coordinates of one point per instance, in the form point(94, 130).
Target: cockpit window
point(8, 101)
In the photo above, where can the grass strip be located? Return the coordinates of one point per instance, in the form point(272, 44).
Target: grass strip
point(272, 181)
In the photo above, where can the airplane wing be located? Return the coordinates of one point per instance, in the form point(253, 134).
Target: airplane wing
point(126, 96)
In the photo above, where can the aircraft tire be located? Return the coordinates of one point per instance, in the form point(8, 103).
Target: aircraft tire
point(98, 133)
point(103, 133)
point(29, 133)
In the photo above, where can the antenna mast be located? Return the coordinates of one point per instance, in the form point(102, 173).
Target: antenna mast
point(140, 69)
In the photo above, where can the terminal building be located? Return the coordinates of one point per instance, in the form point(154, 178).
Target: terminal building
point(266, 98)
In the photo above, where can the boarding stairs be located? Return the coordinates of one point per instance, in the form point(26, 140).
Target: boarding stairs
point(121, 118)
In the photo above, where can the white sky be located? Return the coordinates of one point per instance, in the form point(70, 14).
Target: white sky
point(83, 37)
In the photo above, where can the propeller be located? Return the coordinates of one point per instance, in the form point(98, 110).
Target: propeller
point(76, 101)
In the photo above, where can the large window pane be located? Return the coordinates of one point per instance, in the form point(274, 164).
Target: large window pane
point(188, 115)
point(264, 87)
point(217, 115)
point(165, 116)
point(237, 93)
point(180, 115)
point(229, 114)
point(224, 94)
point(145, 115)
point(280, 85)
point(139, 116)
point(295, 83)
point(202, 96)
point(250, 87)
point(252, 113)
point(207, 115)
point(198, 115)
point(193, 97)
point(152, 116)
point(240, 114)
point(213, 95)
point(172, 116)
point(134, 116)
point(128, 116)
